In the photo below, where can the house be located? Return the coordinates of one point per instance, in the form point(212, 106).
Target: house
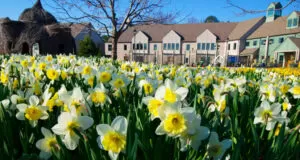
point(273, 38)
point(173, 43)
point(237, 40)
point(81, 30)
point(275, 41)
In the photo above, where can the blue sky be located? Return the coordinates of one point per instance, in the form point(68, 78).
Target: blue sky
point(199, 9)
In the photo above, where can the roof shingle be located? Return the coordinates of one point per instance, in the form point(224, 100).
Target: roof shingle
point(189, 32)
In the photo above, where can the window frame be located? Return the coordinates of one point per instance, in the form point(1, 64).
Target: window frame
point(109, 47)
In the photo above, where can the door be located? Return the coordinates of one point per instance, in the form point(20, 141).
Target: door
point(289, 58)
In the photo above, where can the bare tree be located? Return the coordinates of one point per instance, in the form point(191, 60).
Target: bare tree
point(114, 16)
point(244, 10)
point(193, 20)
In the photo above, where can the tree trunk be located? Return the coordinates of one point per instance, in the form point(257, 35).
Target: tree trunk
point(114, 48)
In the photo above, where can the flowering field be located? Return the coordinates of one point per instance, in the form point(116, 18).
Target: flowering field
point(67, 107)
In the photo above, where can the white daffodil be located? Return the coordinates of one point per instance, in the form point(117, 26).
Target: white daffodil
point(33, 112)
point(148, 86)
point(295, 91)
point(170, 92)
point(113, 138)
point(153, 104)
point(175, 120)
point(268, 92)
point(267, 114)
point(67, 123)
point(76, 100)
point(194, 134)
point(47, 144)
point(98, 95)
point(119, 81)
point(215, 148)
point(220, 103)
point(18, 98)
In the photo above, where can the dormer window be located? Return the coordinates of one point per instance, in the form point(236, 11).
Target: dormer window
point(292, 22)
point(271, 12)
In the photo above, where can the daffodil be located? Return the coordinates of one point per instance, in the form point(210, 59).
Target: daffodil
point(98, 95)
point(119, 81)
point(47, 144)
point(148, 86)
point(215, 148)
point(194, 134)
point(113, 138)
point(267, 114)
point(67, 123)
point(170, 93)
point(75, 99)
point(268, 92)
point(153, 104)
point(174, 120)
point(32, 112)
point(295, 90)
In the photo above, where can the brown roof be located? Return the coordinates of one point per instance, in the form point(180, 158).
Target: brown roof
point(76, 28)
point(296, 41)
point(242, 28)
point(189, 32)
point(248, 51)
point(275, 28)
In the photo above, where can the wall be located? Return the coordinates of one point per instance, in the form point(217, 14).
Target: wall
point(172, 38)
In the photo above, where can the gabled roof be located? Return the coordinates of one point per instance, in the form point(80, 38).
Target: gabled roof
point(189, 32)
point(77, 28)
point(175, 33)
point(296, 41)
point(242, 28)
point(274, 28)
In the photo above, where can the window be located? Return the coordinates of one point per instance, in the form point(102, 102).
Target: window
point(271, 41)
point(169, 46)
point(290, 23)
point(278, 12)
point(281, 40)
point(145, 46)
point(207, 46)
point(186, 60)
point(228, 47)
point(109, 47)
point(254, 43)
point(125, 47)
point(188, 47)
point(280, 58)
point(203, 46)
point(247, 43)
point(234, 46)
point(139, 46)
point(9, 45)
point(155, 47)
point(198, 46)
point(173, 46)
point(263, 42)
point(165, 46)
point(212, 46)
point(295, 22)
point(271, 12)
point(177, 46)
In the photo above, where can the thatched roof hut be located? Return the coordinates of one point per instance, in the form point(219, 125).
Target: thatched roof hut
point(37, 14)
point(35, 25)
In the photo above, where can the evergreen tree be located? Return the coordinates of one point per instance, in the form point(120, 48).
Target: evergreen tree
point(87, 47)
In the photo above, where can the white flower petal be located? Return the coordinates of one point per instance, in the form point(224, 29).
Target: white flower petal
point(120, 124)
point(71, 142)
point(112, 155)
point(85, 122)
point(102, 129)
point(59, 129)
point(182, 92)
point(46, 132)
point(160, 129)
point(22, 107)
point(214, 138)
point(20, 116)
point(34, 100)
